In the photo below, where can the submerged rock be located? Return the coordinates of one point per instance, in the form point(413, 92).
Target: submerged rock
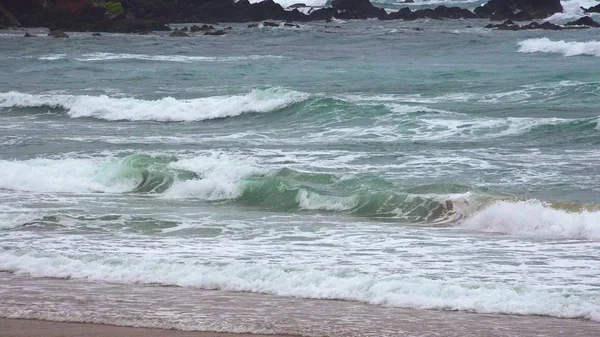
point(29, 35)
point(59, 34)
point(216, 32)
point(96, 34)
point(203, 28)
point(178, 33)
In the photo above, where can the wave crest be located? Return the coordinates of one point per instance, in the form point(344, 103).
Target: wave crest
point(567, 48)
point(167, 109)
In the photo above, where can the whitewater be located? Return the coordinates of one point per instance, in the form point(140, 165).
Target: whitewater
point(237, 181)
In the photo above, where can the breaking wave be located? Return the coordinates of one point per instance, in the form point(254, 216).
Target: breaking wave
point(305, 282)
point(567, 48)
point(165, 110)
point(241, 181)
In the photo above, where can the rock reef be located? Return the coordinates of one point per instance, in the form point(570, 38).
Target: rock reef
point(138, 16)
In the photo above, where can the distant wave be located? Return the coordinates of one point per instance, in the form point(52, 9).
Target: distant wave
point(242, 181)
point(165, 110)
point(160, 58)
point(567, 48)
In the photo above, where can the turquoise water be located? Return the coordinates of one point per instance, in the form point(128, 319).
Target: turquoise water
point(442, 168)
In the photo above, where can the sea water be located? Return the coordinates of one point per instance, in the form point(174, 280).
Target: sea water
point(446, 168)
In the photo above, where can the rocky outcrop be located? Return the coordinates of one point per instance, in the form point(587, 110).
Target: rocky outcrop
point(584, 21)
point(593, 9)
point(518, 9)
point(357, 9)
point(178, 33)
point(440, 12)
point(7, 19)
point(131, 16)
point(579, 24)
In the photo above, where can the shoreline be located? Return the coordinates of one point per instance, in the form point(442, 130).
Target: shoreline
point(40, 306)
point(23, 327)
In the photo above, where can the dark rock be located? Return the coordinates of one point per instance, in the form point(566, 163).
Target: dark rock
point(216, 32)
point(408, 1)
point(550, 26)
point(184, 29)
point(402, 14)
point(7, 19)
point(322, 14)
point(490, 25)
point(29, 35)
point(178, 33)
point(253, 25)
point(508, 26)
point(270, 24)
point(584, 21)
point(440, 12)
point(593, 9)
point(357, 9)
point(227, 28)
point(202, 28)
point(518, 9)
point(290, 25)
point(533, 25)
point(300, 5)
point(469, 26)
point(59, 34)
point(96, 34)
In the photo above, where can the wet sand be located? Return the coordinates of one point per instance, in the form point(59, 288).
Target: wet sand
point(35, 328)
point(177, 309)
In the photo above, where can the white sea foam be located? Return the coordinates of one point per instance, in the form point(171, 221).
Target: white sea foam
point(334, 283)
point(537, 219)
point(221, 177)
point(314, 201)
point(287, 3)
point(66, 175)
point(167, 109)
point(160, 58)
point(567, 48)
point(572, 10)
point(9, 220)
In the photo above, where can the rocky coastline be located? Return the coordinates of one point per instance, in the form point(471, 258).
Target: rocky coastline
point(140, 16)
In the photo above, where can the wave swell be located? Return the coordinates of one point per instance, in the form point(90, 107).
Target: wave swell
point(242, 181)
point(165, 110)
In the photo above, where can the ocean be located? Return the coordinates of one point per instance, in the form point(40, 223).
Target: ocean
point(388, 165)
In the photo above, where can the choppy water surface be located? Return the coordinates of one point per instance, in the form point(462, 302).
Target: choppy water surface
point(449, 168)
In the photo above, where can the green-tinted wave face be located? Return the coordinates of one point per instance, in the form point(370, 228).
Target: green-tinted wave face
point(291, 191)
point(152, 174)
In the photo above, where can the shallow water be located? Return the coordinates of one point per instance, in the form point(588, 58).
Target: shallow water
point(449, 168)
